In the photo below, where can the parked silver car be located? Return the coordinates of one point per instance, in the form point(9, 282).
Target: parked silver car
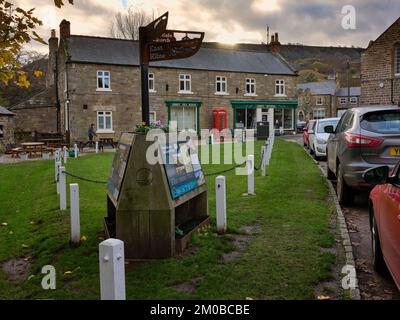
point(319, 138)
point(365, 138)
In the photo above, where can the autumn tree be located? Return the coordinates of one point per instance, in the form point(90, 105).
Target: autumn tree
point(17, 28)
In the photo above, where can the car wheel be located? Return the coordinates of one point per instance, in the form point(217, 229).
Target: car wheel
point(377, 255)
point(344, 192)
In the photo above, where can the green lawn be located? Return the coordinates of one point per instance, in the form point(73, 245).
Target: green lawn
point(284, 260)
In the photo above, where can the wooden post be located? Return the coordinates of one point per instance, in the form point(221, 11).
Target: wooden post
point(75, 214)
point(63, 189)
point(220, 190)
point(76, 151)
point(250, 173)
point(58, 166)
point(112, 270)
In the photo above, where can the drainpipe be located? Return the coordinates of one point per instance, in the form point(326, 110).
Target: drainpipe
point(58, 105)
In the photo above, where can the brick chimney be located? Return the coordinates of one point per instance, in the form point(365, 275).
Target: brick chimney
point(65, 29)
point(53, 48)
point(274, 45)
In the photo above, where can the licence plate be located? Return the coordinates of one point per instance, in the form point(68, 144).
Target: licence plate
point(395, 152)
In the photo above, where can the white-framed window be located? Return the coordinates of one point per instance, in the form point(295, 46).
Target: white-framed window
point(152, 87)
point(280, 88)
point(185, 83)
point(353, 100)
point(319, 114)
point(104, 121)
point(103, 80)
point(343, 100)
point(250, 86)
point(221, 85)
point(320, 101)
point(153, 116)
point(397, 60)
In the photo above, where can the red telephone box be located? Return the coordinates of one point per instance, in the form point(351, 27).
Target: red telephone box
point(220, 119)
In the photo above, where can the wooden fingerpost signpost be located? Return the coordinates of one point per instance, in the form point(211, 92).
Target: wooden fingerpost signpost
point(155, 208)
point(156, 43)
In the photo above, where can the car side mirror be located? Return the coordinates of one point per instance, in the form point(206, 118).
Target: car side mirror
point(377, 176)
point(329, 129)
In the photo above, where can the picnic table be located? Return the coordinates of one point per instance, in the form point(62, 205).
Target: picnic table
point(33, 148)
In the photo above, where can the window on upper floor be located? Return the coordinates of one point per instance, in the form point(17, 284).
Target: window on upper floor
point(185, 83)
point(103, 80)
point(152, 87)
point(342, 100)
point(251, 87)
point(221, 85)
point(353, 100)
point(280, 88)
point(320, 101)
point(104, 121)
point(397, 59)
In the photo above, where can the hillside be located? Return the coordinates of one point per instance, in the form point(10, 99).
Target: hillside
point(317, 63)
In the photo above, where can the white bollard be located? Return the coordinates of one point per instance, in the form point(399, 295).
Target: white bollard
point(63, 189)
point(220, 193)
point(75, 214)
point(76, 151)
point(264, 159)
point(58, 166)
point(112, 270)
point(56, 160)
point(65, 155)
point(97, 147)
point(250, 173)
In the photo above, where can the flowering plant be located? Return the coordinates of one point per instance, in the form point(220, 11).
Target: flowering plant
point(144, 128)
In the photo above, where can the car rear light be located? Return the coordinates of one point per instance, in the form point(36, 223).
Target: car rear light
point(358, 141)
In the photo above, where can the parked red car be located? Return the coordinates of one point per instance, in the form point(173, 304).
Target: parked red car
point(385, 219)
point(307, 131)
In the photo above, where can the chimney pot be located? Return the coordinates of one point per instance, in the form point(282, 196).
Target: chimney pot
point(65, 29)
point(276, 37)
point(272, 39)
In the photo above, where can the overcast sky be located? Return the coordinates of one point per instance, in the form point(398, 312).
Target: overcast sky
point(311, 22)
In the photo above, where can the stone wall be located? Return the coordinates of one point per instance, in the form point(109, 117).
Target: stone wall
point(7, 122)
point(379, 84)
point(42, 119)
point(124, 99)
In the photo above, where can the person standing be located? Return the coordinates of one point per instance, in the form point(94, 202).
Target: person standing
point(92, 133)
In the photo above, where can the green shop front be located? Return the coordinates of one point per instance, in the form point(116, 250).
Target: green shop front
point(185, 113)
point(246, 113)
point(280, 114)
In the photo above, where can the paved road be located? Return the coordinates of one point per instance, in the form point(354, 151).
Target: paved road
point(373, 286)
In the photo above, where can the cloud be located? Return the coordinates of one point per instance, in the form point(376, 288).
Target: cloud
point(313, 22)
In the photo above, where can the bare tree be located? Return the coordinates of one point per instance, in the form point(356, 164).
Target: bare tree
point(126, 25)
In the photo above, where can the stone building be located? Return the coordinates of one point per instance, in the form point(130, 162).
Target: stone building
point(6, 128)
point(319, 100)
point(99, 82)
point(380, 69)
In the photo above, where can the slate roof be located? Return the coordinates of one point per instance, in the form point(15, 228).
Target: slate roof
point(99, 50)
point(5, 112)
point(319, 88)
point(354, 92)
